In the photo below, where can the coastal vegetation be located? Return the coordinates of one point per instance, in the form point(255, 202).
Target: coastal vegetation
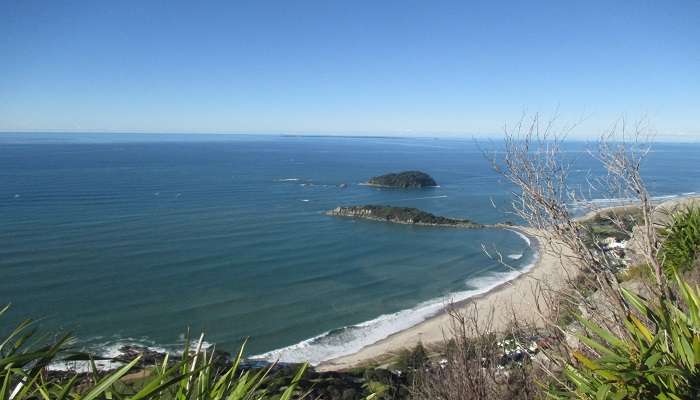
point(681, 244)
point(400, 215)
point(28, 359)
point(404, 180)
point(617, 223)
point(26, 355)
point(629, 339)
point(626, 325)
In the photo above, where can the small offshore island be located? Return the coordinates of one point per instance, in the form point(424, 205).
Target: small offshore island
point(403, 180)
point(401, 215)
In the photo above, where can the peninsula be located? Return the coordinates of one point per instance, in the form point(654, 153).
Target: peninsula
point(403, 180)
point(401, 215)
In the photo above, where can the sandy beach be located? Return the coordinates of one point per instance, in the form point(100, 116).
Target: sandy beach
point(517, 296)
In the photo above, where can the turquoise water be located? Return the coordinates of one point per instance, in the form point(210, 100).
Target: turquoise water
point(133, 238)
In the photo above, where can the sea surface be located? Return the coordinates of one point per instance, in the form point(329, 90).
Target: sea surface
point(133, 239)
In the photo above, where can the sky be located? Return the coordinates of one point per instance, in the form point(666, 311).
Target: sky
point(353, 67)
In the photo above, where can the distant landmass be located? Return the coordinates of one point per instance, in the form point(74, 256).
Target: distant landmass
point(401, 215)
point(406, 179)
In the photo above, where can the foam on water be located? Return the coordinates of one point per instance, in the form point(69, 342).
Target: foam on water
point(82, 367)
point(240, 210)
point(620, 201)
point(522, 236)
point(108, 350)
point(351, 339)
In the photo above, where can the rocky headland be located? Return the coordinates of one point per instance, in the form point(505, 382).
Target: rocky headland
point(401, 215)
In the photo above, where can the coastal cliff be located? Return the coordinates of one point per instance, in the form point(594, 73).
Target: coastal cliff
point(401, 215)
point(404, 180)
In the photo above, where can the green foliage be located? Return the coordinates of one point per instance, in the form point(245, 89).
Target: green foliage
point(385, 384)
point(580, 285)
point(659, 359)
point(681, 244)
point(642, 272)
point(406, 179)
point(406, 215)
point(24, 356)
point(378, 388)
point(614, 223)
point(411, 359)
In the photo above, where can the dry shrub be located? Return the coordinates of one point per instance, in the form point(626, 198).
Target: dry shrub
point(610, 317)
point(474, 365)
point(594, 299)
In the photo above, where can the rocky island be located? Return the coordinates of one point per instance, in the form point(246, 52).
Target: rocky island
point(404, 180)
point(401, 215)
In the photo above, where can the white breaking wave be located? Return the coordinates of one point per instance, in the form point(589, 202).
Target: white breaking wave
point(287, 180)
point(337, 342)
point(111, 349)
point(82, 367)
point(522, 236)
point(351, 339)
point(515, 256)
point(606, 202)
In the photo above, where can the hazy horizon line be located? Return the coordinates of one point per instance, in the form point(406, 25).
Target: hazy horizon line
point(676, 138)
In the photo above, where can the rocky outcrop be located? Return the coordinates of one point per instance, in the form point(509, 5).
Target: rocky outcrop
point(404, 180)
point(400, 215)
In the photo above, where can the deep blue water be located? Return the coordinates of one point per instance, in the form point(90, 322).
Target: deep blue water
point(133, 238)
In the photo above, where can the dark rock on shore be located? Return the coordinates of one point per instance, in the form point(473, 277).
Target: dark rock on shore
point(148, 356)
point(400, 215)
point(345, 385)
point(404, 180)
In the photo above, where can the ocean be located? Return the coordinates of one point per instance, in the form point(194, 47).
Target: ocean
point(134, 239)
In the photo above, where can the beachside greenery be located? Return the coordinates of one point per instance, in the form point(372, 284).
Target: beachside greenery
point(24, 356)
point(660, 359)
point(616, 223)
point(632, 344)
point(638, 339)
point(681, 241)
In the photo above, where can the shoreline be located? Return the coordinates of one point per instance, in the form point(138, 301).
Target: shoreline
point(513, 297)
point(500, 302)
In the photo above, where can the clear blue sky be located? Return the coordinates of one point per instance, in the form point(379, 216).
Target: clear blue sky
point(346, 67)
